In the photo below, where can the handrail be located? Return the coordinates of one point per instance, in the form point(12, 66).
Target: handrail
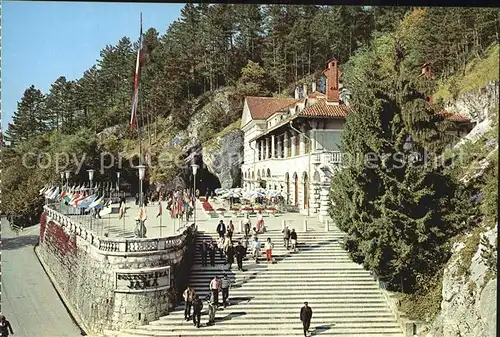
point(119, 244)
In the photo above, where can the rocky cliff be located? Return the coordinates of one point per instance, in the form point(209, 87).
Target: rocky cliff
point(223, 157)
point(469, 286)
point(476, 105)
point(218, 150)
point(468, 308)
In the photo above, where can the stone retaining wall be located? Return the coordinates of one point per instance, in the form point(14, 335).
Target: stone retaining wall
point(113, 289)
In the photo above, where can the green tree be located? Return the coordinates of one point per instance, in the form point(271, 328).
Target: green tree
point(398, 211)
point(30, 118)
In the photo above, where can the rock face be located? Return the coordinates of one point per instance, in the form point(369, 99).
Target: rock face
point(476, 105)
point(468, 308)
point(225, 157)
point(222, 157)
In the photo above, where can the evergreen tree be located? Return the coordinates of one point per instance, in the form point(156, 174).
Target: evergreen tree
point(30, 117)
point(394, 207)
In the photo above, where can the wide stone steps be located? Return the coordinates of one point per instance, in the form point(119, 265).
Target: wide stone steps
point(265, 299)
point(269, 331)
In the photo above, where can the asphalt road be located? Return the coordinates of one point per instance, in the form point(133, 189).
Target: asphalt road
point(29, 301)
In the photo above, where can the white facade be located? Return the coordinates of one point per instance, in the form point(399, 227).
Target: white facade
point(287, 161)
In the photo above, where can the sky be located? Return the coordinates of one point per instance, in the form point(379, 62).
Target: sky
point(42, 41)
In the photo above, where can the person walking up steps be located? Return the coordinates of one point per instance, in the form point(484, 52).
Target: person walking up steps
point(211, 253)
point(286, 237)
point(256, 249)
point(293, 239)
point(204, 253)
point(225, 284)
point(269, 250)
point(247, 225)
point(260, 221)
point(215, 287)
point(212, 307)
point(220, 247)
point(197, 308)
point(188, 300)
point(230, 255)
point(221, 229)
point(305, 317)
point(230, 230)
point(241, 252)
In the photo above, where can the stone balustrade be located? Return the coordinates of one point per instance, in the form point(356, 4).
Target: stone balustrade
point(118, 245)
point(326, 158)
point(114, 283)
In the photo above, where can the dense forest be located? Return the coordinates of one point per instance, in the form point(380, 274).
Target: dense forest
point(268, 50)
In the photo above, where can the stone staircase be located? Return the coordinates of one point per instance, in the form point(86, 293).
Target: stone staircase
point(265, 299)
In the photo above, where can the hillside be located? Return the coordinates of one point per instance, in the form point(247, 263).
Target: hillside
point(196, 75)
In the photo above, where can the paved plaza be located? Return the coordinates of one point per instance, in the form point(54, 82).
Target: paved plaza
point(124, 228)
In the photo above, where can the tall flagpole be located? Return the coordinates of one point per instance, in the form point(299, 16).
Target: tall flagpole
point(138, 74)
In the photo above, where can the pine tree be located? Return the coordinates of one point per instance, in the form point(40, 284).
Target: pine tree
point(30, 117)
point(384, 204)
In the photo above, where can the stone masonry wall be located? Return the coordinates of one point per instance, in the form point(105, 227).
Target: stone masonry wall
point(87, 278)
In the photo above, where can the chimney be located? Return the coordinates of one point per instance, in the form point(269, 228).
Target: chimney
point(304, 91)
point(313, 86)
point(296, 92)
point(426, 72)
point(332, 75)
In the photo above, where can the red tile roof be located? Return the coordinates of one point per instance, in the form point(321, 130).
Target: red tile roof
point(453, 117)
point(321, 109)
point(316, 94)
point(263, 107)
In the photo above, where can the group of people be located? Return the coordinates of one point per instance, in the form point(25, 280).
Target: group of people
point(225, 246)
point(289, 238)
point(193, 301)
point(228, 250)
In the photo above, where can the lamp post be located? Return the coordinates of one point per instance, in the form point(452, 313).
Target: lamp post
point(91, 176)
point(195, 170)
point(118, 183)
point(67, 173)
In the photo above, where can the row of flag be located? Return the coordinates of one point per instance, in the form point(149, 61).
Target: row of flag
point(177, 205)
point(78, 199)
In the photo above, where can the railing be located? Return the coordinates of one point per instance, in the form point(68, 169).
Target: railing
point(119, 244)
point(327, 158)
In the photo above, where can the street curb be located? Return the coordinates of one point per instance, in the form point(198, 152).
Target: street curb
point(71, 311)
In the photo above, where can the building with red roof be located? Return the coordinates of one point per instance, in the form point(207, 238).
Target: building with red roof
point(292, 144)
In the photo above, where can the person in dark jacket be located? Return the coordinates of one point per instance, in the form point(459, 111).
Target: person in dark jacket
point(204, 253)
point(240, 252)
point(230, 255)
point(197, 308)
point(5, 327)
point(221, 229)
point(211, 252)
point(305, 317)
point(293, 239)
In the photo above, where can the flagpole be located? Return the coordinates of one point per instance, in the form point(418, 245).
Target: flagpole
point(139, 133)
